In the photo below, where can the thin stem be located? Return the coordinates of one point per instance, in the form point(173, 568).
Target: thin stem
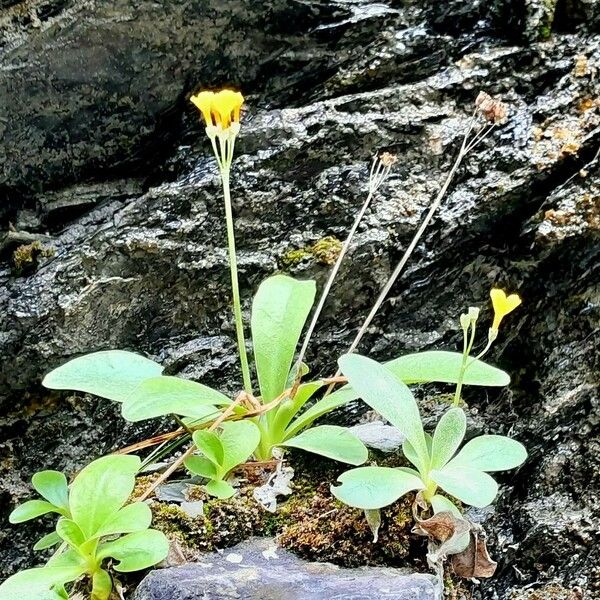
point(377, 176)
point(237, 305)
point(465, 147)
point(463, 367)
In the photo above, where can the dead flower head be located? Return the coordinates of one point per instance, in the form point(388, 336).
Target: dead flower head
point(388, 159)
point(491, 109)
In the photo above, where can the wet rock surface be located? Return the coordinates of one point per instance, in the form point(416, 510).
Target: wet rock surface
point(258, 569)
point(106, 165)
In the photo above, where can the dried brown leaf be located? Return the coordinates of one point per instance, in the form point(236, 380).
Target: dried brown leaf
point(475, 560)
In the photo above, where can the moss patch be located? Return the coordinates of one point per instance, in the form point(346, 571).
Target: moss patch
point(26, 257)
point(324, 251)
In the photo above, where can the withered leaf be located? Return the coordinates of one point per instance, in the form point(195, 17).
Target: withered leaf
point(475, 560)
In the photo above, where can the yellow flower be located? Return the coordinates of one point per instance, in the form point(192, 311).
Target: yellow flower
point(503, 305)
point(220, 108)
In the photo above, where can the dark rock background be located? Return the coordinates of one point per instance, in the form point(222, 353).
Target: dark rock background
point(106, 169)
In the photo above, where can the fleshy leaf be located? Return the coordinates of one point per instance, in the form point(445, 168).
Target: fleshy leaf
point(101, 585)
point(442, 504)
point(219, 489)
point(130, 518)
point(388, 396)
point(30, 510)
point(331, 441)
point(239, 439)
point(288, 409)
point(101, 489)
point(444, 367)
point(200, 465)
point(37, 584)
point(370, 488)
point(490, 453)
point(448, 436)
point(112, 374)
point(136, 551)
point(52, 485)
point(470, 486)
point(210, 445)
point(163, 395)
point(279, 311)
point(47, 541)
point(70, 532)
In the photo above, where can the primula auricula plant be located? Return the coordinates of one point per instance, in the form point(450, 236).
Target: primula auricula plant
point(438, 466)
point(95, 526)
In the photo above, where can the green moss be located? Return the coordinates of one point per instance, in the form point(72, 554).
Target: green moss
point(26, 257)
point(545, 27)
point(324, 251)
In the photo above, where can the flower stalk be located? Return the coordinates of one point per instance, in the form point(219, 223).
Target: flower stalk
point(221, 112)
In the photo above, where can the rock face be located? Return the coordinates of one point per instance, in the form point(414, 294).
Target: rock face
point(106, 166)
point(257, 570)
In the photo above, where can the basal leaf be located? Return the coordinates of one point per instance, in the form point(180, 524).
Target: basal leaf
point(136, 551)
point(332, 442)
point(210, 445)
point(370, 488)
point(163, 395)
point(31, 509)
point(279, 311)
point(47, 541)
point(470, 486)
point(101, 489)
point(37, 584)
point(130, 518)
point(388, 396)
point(219, 489)
point(239, 439)
point(331, 402)
point(70, 532)
point(52, 485)
point(448, 436)
point(491, 453)
point(200, 465)
point(288, 409)
point(442, 504)
point(101, 585)
point(112, 374)
point(444, 367)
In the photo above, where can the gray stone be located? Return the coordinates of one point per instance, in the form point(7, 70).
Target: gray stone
point(379, 436)
point(258, 570)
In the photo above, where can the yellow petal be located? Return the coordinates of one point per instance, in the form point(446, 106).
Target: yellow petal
point(204, 101)
point(226, 107)
point(503, 305)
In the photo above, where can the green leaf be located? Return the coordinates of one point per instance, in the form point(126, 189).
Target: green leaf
point(491, 453)
point(448, 436)
point(388, 396)
point(322, 407)
point(52, 485)
point(210, 445)
point(370, 488)
point(442, 504)
point(112, 374)
point(333, 442)
point(37, 584)
point(100, 489)
point(288, 409)
point(239, 439)
point(163, 395)
point(47, 541)
point(220, 489)
point(101, 585)
point(279, 311)
point(136, 551)
point(70, 532)
point(30, 510)
point(444, 367)
point(470, 486)
point(130, 518)
point(200, 465)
